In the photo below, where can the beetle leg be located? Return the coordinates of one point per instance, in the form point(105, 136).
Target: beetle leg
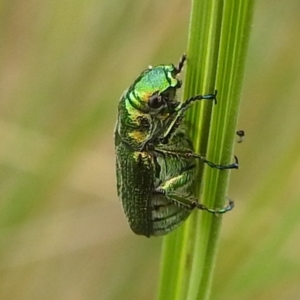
point(169, 190)
point(189, 154)
point(235, 165)
point(177, 117)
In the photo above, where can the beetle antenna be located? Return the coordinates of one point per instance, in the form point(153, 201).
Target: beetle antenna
point(181, 63)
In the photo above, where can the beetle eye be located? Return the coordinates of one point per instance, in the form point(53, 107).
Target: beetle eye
point(155, 101)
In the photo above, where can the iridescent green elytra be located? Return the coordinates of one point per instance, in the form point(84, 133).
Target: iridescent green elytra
point(155, 161)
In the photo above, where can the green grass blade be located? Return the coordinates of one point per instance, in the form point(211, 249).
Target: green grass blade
point(218, 40)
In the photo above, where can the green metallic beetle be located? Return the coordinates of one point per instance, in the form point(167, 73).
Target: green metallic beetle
point(155, 162)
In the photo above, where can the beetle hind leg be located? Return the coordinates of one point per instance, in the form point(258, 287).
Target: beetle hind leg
point(192, 203)
point(175, 191)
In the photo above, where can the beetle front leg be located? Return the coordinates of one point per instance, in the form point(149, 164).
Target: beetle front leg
point(179, 114)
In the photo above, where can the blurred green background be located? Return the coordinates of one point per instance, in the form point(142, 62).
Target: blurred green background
point(63, 67)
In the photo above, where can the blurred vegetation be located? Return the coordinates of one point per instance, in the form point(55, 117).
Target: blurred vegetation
point(64, 65)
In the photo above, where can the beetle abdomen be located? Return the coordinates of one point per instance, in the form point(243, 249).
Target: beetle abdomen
point(166, 216)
